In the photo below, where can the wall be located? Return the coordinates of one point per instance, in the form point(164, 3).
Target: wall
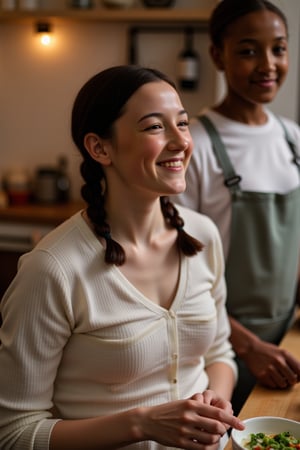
point(287, 102)
point(38, 85)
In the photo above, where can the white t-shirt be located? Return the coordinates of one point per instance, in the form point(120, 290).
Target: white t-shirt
point(259, 154)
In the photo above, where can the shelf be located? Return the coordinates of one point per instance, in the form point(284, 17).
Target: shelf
point(51, 214)
point(151, 15)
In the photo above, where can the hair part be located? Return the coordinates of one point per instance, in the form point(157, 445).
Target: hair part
point(228, 11)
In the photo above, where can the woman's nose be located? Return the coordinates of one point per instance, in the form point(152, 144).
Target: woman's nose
point(178, 142)
point(267, 62)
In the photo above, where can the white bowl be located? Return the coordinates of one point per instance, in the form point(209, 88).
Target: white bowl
point(264, 424)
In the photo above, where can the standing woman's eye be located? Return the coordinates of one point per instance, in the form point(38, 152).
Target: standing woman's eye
point(280, 50)
point(247, 52)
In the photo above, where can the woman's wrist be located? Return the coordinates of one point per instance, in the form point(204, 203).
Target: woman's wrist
point(136, 418)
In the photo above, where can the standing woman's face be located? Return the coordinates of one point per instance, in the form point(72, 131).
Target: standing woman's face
point(254, 57)
point(152, 144)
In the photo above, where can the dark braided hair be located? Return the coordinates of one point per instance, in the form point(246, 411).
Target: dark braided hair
point(99, 103)
point(228, 11)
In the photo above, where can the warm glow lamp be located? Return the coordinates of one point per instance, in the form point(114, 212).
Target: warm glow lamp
point(44, 30)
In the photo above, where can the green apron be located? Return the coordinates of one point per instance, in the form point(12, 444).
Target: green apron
point(262, 263)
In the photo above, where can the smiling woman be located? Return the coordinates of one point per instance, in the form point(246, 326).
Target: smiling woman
point(122, 339)
point(244, 174)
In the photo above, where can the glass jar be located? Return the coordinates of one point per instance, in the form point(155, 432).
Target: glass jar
point(17, 183)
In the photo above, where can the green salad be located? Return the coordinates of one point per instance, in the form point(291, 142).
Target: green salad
point(280, 441)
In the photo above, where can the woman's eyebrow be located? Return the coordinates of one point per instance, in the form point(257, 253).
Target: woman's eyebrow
point(253, 40)
point(157, 114)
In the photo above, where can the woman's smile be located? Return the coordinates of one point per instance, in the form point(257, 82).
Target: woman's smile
point(174, 164)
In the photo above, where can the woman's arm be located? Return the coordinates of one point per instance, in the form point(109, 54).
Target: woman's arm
point(298, 286)
point(110, 432)
point(174, 424)
point(221, 379)
point(273, 366)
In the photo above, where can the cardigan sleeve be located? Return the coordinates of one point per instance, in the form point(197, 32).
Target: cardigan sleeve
point(36, 326)
point(221, 350)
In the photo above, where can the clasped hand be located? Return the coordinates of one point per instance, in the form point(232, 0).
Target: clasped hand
point(195, 423)
point(272, 366)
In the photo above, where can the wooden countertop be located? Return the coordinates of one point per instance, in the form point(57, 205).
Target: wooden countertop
point(52, 214)
point(276, 402)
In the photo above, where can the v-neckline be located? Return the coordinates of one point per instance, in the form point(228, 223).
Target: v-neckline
point(181, 287)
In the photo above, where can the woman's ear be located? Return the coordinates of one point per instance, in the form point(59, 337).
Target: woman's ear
point(97, 148)
point(217, 57)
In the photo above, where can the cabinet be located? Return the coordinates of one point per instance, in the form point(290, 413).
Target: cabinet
point(20, 229)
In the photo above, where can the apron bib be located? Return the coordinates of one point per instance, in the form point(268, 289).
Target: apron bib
point(262, 263)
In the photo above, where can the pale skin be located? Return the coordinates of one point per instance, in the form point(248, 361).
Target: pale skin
point(147, 158)
point(254, 60)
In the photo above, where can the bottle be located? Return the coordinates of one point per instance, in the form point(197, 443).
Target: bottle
point(3, 196)
point(45, 185)
point(62, 181)
point(188, 63)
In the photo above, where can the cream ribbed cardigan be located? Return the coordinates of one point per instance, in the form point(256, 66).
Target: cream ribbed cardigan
point(78, 335)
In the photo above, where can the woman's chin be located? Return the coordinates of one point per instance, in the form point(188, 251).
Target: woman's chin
point(179, 187)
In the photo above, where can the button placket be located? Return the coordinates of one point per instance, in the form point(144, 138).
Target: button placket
point(173, 341)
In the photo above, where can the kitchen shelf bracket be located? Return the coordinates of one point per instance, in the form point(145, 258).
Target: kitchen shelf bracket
point(133, 34)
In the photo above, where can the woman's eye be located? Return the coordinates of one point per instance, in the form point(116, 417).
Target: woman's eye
point(279, 50)
point(154, 126)
point(183, 123)
point(247, 52)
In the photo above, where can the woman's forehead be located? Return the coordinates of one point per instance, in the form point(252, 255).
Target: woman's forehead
point(158, 94)
point(257, 22)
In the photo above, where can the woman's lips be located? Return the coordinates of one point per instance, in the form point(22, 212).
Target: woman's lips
point(266, 83)
point(173, 164)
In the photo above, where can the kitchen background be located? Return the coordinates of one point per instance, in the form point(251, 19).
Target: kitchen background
point(38, 84)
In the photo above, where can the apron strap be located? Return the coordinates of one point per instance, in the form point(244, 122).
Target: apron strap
point(292, 145)
point(232, 180)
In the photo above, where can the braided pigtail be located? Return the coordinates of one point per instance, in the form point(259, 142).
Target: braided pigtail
point(187, 244)
point(93, 193)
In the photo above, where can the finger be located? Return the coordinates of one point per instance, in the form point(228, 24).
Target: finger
point(282, 377)
point(198, 397)
point(208, 397)
point(212, 417)
point(267, 381)
point(294, 365)
point(202, 436)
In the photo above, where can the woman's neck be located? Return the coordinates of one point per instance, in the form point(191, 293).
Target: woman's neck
point(252, 115)
point(135, 223)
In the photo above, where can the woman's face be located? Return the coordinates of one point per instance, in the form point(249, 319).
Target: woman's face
point(254, 57)
point(152, 144)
